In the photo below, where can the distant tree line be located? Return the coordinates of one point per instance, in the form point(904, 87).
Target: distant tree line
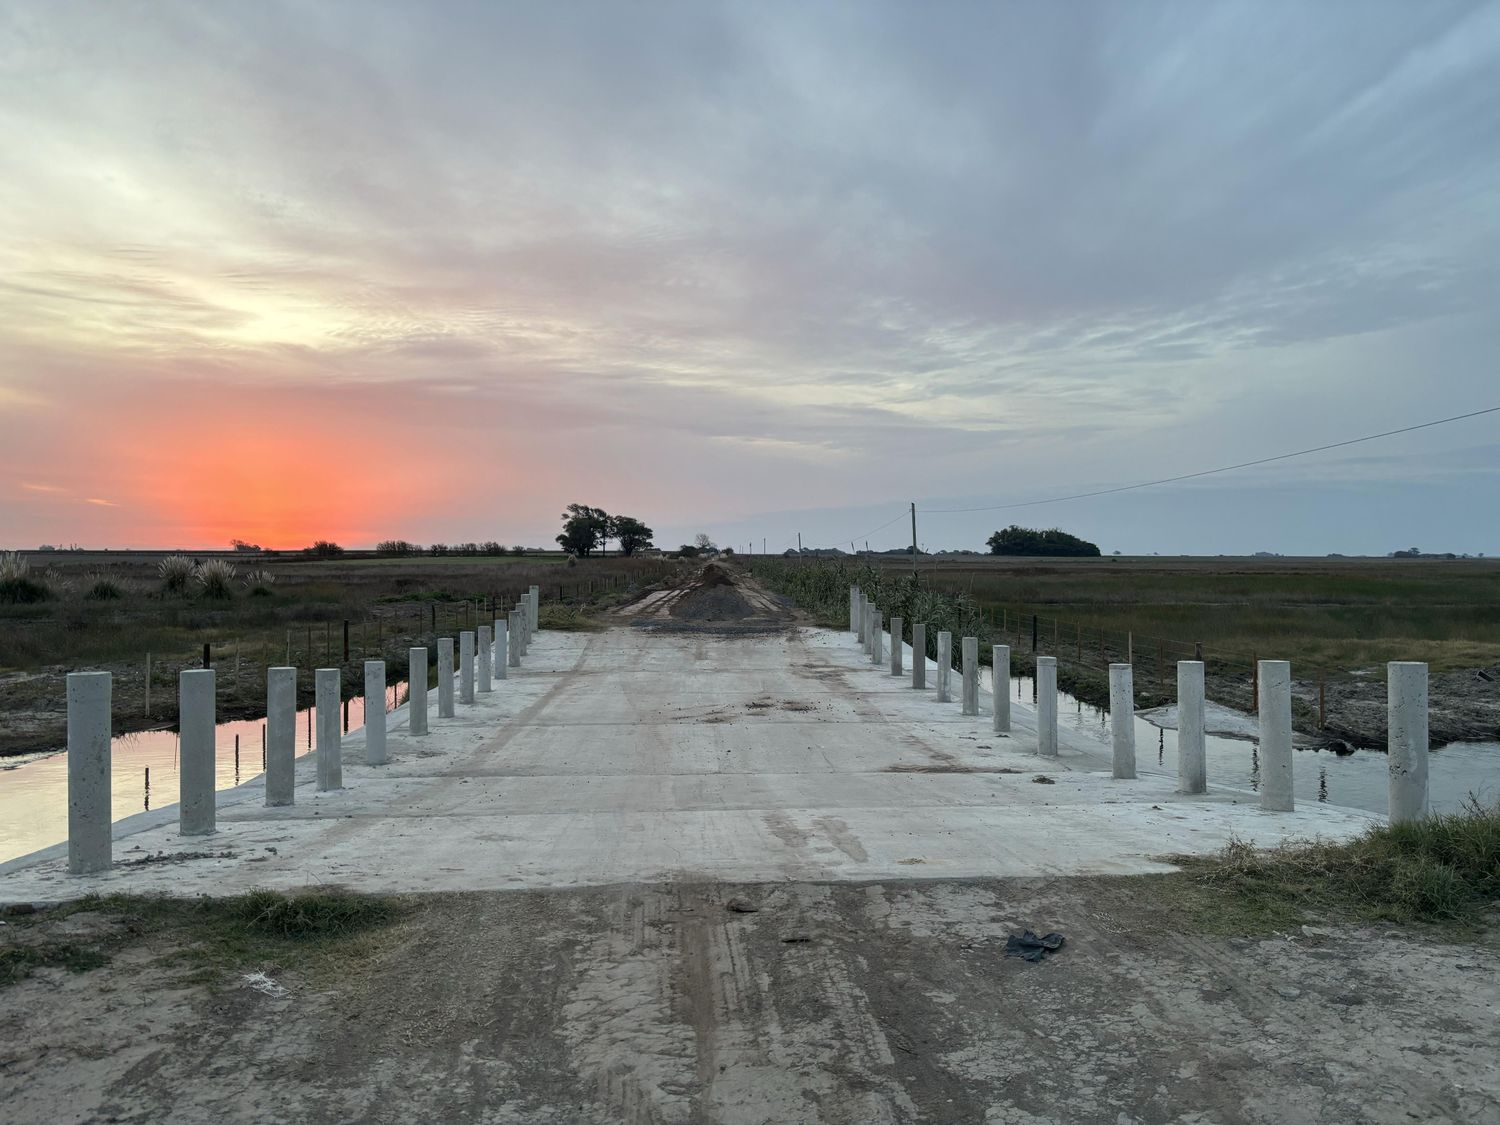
point(1016, 540)
point(400, 547)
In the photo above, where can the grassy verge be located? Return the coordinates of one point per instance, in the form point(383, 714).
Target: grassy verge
point(1443, 871)
point(207, 935)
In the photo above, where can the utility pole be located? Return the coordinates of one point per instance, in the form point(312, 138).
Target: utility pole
point(914, 539)
point(799, 544)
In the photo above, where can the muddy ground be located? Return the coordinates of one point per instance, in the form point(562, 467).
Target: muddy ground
point(761, 1004)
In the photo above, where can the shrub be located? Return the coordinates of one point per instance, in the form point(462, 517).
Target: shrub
point(215, 579)
point(175, 572)
point(259, 582)
point(17, 585)
point(102, 588)
point(323, 549)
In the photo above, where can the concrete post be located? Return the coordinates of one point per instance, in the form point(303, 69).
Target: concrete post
point(485, 640)
point(281, 736)
point(918, 655)
point(877, 639)
point(502, 648)
point(416, 690)
point(1122, 718)
point(945, 667)
point(1000, 686)
point(1192, 762)
point(1046, 706)
point(535, 595)
point(326, 685)
point(89, 811)
point(1406, 700)
point(970, 693)
point(514, 633)
point(445, 677)
point(854, 610)
point(897, 635)
point(375, 754)
point(195, 724)
point(1275, 679)
point(864, 624)
point(466, 666)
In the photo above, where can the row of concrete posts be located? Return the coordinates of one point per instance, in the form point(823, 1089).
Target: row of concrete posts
point(490, 650)
point(1406, 702)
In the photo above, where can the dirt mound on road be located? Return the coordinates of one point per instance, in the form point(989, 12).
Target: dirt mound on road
point(712, 598)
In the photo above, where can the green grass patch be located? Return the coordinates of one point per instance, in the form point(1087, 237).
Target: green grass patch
point(1444, 870)
point(313, 929)
point(18, 962)
point(568, 619)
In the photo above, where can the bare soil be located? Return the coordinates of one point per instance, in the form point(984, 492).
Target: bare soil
point(790, 1003)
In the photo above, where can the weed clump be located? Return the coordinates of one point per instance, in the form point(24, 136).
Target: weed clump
point(215, 579)
point(102, 588)
point(175, 572)
point(1444, 869)
point(259, 582)
point(310, 916)
point(17, 585)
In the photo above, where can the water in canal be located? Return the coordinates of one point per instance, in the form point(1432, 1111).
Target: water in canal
point(34, 788)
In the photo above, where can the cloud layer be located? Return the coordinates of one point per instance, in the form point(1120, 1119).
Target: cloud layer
point(449, 267)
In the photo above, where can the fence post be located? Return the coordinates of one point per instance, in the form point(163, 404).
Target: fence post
point(1122, 719)
point(970, 686)
point(1046, 706)
point(416, 690)
point(485, 639)
point(281, 736)
point(346, 640)
point(445, 677)
point(375, 754)
point(466, 666)
point(90, 830)
point(1276, 736)
point(195, 723)
point(944, 666)
point(327, 683)
point(918, 655)
point(1406, 701)
point(1000, 686)
point(1034, 631)
point(897, 632)
point(1192, 769)
point(877, 637)
point(501, 656)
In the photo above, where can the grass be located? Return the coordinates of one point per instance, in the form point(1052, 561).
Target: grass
point(1444, 871)
point(210, 935)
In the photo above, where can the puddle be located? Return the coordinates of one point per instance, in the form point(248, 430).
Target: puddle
point(34, 792)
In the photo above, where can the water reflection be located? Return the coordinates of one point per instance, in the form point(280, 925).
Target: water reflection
point(34, 794)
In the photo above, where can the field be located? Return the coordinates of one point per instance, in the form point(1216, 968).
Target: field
point(1338, 620)
point(383, 605)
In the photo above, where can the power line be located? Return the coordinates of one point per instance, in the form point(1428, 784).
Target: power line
point(1210, 472)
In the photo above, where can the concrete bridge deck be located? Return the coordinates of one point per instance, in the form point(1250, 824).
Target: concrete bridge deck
point(639, 754)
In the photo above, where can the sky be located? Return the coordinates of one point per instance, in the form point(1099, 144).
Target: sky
point(284, 271)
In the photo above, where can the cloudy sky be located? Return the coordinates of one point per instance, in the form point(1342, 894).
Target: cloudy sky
point(362, 270)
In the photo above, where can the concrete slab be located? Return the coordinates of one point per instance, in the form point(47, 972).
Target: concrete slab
point(638, 754)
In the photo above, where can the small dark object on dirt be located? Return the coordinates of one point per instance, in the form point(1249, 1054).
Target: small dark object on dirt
point(16, 908)
point(1043, 779)
point(1029, 947)
point(1483, 675)
point(796, 939)
point(741, 906)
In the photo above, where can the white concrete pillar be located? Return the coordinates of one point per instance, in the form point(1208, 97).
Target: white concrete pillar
point(502, 653)
point(1192, 759)
point(970, 692)
point(466, 666)
point(1406, 700)
point(864, 624)
point(281, 736)
point(330, 751)
point(854, 610)
point(445, 677)
point(513, 658)
point(536, 608)
point(485, 640)
point(945, 667)
point(90, 815)
point(877, 639)
point(195, 770)
point(918, 655)
point(1122, 718)
point(897, 641)
point(1000, 686)
point(416, 690)
point(1046, 706)
point(375, 754)
point(1276, 736)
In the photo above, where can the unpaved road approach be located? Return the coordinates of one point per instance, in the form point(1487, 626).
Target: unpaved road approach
point(710, 866)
